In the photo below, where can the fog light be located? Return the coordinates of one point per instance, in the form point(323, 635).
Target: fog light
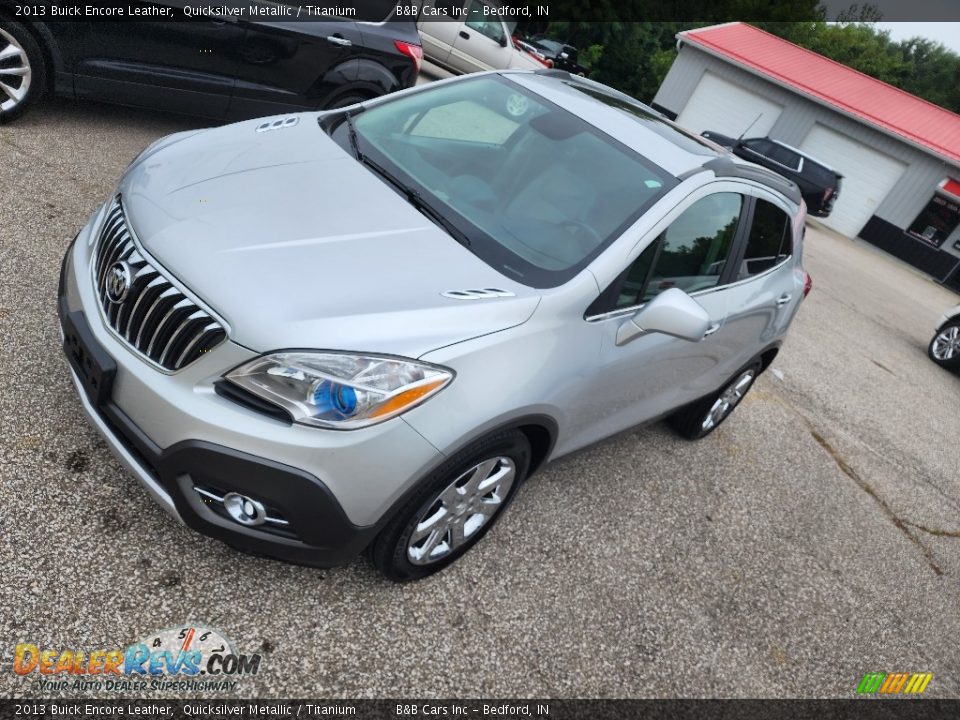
point(244, 510)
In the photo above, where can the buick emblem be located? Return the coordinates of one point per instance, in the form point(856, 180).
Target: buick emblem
point(119, 279)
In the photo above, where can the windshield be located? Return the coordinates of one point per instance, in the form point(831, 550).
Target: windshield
point(536, 191)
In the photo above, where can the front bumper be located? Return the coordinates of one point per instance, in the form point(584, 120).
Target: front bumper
point(317, 530)
point(329, 492)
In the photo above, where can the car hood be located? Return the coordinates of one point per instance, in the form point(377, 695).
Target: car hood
point(297, 245)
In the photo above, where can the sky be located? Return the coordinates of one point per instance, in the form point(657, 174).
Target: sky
point(947, 33)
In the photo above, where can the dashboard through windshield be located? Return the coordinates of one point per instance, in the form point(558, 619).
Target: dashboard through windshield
point(536, 190)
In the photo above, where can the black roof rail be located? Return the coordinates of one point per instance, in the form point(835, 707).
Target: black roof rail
point(726, 167)
point(553, 72)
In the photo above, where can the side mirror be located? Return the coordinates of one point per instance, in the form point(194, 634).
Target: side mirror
point(672, 312)
point(503, 41)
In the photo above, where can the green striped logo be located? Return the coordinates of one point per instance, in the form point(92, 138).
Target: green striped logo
point(894, 683)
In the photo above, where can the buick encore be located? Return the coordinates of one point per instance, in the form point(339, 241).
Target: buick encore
point(315, 334)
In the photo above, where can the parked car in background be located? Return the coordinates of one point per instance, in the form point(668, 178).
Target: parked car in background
point(818, 182)
point(531, 50)
point(211, 67)
point(561, 55)
point(550, 263)
point(944, 348)
point(471, 39)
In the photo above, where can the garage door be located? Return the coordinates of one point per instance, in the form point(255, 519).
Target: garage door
point(869, 176)
point(729, 109)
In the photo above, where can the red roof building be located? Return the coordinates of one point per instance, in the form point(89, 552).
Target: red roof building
point(839, 87)
point(899, 154)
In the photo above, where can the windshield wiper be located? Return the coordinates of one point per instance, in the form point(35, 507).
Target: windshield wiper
point(417, 200)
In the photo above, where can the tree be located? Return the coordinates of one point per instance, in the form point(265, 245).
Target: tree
point(635, 56)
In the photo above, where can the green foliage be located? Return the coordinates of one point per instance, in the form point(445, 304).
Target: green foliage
point(590, 56)
point(635, 56)
point(632, 57)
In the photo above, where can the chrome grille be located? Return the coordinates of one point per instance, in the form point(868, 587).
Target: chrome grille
point(153, 316)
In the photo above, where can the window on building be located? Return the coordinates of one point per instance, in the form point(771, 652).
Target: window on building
point(937, 220)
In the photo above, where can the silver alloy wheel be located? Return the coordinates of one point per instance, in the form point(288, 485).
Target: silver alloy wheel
point(729, 399)
point(15, 72)
point(461, 510)
point(946, 345)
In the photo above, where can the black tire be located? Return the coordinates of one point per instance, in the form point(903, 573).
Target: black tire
point(691, 420)
point(945, 344)
point(392, 549)
point(29, 58)
point(345, 100)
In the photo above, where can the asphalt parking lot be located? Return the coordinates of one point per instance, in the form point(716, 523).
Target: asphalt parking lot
point(813, 538)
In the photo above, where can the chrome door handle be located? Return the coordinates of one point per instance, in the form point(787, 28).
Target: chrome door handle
point(337, 40)
point(784, 299)
point(711, 330)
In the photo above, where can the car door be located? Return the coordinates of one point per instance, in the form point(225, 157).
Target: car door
point(482, 43)
point(654, 373)
point(439, 28)
point(184, 66)
point(764, 290)
point(289, 66)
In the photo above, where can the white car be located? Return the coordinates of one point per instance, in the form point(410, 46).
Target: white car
point(472, 38)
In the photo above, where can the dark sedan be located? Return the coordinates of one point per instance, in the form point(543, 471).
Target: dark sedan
point(217, 67)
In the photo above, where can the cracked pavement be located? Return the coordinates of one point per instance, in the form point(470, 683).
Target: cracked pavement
point(811, 539)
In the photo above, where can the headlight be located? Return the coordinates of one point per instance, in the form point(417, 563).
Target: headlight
point(339, 390)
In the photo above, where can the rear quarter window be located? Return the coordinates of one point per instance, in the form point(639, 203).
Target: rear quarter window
point(769, 242)
point(785, 156)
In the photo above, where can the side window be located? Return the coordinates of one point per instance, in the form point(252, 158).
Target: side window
point(632, 288)
point(785, 156)
point(690, 254)
point(483, 24)
point(759, 145)
point(768, 242)
point(695, 248)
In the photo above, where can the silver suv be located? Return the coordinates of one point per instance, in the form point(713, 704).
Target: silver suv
point(944, 348)
point(314, 334)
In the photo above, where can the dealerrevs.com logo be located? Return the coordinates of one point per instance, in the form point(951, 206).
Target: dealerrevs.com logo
point(190, 657)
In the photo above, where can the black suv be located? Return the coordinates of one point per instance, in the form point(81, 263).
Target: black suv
point(563, 56)
point(819, 184)
point(216, 67)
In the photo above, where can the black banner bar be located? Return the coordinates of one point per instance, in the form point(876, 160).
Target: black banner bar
point(509, 10)
point(118, 709)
